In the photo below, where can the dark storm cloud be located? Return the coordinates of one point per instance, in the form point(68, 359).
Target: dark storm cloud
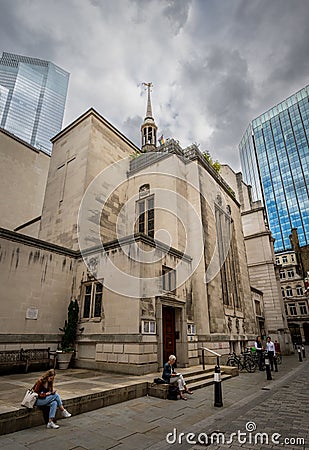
point(215, 65)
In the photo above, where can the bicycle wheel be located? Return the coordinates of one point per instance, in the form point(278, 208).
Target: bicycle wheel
point(231, 362)
point(250, 365)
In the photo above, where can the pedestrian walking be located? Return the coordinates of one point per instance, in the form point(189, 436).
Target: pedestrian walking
point(270, 347)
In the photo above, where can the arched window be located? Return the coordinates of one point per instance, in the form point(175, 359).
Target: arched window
point(299, 289)
point(289, 292)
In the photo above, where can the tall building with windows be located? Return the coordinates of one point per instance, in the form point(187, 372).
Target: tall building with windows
point(32, 98)
point(274, 153)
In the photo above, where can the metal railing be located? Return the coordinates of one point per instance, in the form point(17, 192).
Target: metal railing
point(217, 376)
point(210, 351)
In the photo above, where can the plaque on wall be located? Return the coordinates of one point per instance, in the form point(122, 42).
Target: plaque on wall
point(32, 313)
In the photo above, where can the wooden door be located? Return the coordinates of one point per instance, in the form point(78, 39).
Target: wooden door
point(169, 344)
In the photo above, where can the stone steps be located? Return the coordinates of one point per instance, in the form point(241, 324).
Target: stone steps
point(195, 380)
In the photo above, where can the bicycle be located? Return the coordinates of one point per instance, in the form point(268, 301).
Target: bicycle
point(248, 364)
point(255, 357)
point(278, 357)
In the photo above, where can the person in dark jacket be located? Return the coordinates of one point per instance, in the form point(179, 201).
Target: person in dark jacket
point(170, 376)
point(47, 396)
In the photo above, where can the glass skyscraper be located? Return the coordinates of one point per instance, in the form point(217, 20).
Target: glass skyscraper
point(274, 154)
point(32, 98)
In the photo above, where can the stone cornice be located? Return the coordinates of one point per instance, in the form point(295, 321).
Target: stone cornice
point(255, 235)
point(253, 210)
point(131, 239)
point(38, 243)
point(111, 245)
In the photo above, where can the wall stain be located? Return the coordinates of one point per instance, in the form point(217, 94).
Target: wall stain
point(36, 256)
point(43, 277)
point(12, 258)
point(17, 257)
point(30, 258)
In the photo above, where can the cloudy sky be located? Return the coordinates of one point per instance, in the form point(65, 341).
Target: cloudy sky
point(215, 64)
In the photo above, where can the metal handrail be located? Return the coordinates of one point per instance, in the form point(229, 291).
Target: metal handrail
point(210, 351)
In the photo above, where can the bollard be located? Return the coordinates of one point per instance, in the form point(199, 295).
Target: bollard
point(304, 351)
point(267, 365)
point(299, 355)
point(217, 384)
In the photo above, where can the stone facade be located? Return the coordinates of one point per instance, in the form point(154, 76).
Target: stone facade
point(23, 176)
point(263, 271)
point(151, 246)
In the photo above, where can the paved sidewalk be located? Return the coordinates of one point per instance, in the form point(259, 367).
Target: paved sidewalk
point(144, 423)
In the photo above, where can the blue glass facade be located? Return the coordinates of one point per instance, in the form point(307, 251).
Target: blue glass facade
point(32, 98)
point(274, 154)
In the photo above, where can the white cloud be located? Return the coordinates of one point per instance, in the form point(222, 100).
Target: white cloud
point(215, 65)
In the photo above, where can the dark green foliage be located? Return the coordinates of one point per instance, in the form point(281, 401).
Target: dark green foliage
point(70, 327)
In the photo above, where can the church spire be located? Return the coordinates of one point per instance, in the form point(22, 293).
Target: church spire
point(149, 128)
point(149, 109)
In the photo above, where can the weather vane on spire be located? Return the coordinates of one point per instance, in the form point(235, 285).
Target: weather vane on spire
point(148, 85)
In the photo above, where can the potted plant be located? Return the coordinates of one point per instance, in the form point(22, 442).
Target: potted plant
point(68, 339)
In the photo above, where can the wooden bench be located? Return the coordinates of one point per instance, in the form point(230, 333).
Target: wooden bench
point(10, 359)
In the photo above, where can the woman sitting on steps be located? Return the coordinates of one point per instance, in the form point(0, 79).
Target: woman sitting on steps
point(170, 376)
point(44, 387)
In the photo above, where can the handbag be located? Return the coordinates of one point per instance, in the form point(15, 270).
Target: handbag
point(159, 381)
point(29, 399)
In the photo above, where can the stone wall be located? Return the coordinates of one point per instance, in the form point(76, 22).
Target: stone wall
point(23, 175)
point(37, 282)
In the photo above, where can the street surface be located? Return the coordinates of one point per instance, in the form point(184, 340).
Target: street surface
point(251, 405)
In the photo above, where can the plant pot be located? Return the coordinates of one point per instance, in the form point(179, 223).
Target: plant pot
point(64, 359)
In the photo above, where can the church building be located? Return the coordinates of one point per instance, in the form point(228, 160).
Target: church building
point(148, 240)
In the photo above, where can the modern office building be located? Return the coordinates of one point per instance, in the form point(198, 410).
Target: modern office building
point(274, 153)
point(32, 98)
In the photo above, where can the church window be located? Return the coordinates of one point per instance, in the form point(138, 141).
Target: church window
point(148, 327)
point(168, 279)
point(145, 211)
point(228, 257)
point(92, 304)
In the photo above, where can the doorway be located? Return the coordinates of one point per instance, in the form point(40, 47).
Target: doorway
point(169, 341)
point(306, 332)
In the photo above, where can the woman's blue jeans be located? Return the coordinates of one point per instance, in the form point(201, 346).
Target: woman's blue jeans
point(53, 401)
